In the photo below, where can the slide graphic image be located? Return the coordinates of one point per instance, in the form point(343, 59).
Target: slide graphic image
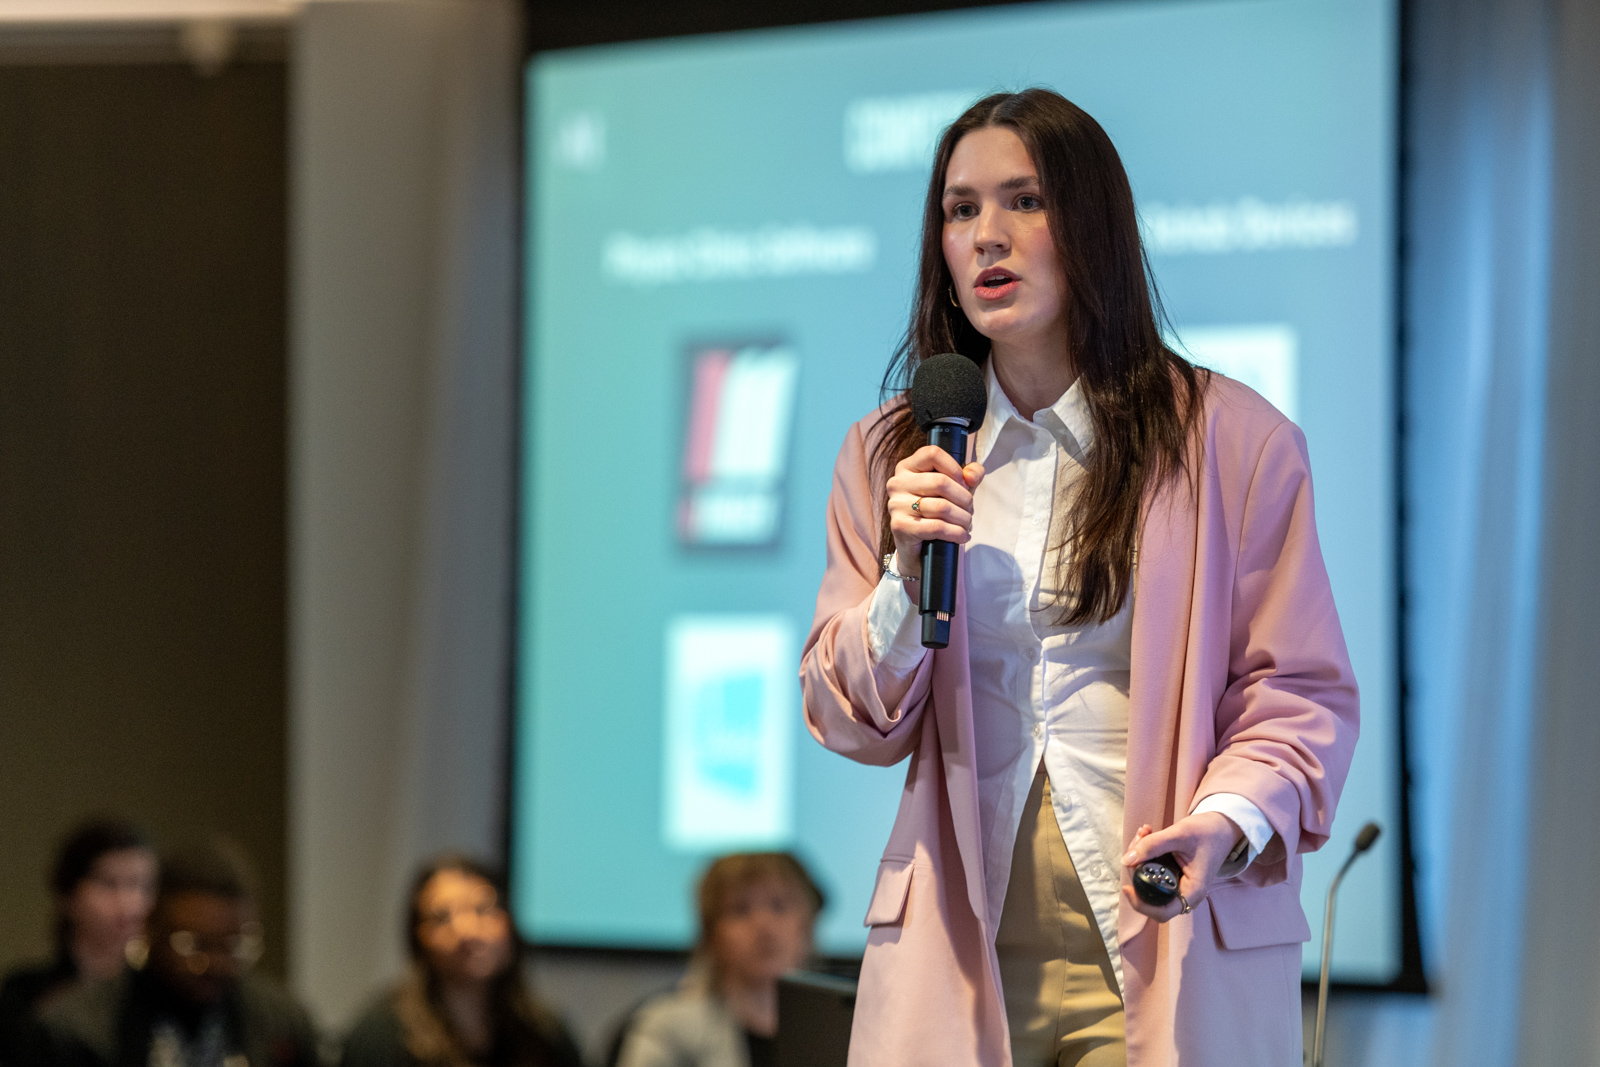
point(736, 450)
point(730, 690)
point(1263, 357)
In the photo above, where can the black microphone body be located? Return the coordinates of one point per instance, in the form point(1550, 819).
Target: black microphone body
point(940, 559)
point(948, 399)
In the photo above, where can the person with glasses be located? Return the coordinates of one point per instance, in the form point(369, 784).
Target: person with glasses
point(193, 1001)
point(102, 885)
point(465, 1001)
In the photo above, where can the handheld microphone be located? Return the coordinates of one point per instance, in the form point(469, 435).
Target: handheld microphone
point(1369, 833)
point(948, 399)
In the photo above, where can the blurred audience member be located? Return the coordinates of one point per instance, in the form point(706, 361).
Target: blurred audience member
point(102, 885)
point(465, 1001)
point(193, 1002)
point(757, 912)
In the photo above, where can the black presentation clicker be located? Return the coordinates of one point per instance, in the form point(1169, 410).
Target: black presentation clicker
point(1156, 880)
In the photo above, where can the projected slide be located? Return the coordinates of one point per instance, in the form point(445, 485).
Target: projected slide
point(721, 240)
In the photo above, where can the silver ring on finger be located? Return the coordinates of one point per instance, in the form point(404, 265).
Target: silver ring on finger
point(1187, 907)
point(916, 505)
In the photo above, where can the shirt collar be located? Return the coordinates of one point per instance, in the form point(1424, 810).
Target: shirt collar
point(1068, 417)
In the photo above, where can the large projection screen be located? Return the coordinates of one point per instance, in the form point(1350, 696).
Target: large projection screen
point(721, 237)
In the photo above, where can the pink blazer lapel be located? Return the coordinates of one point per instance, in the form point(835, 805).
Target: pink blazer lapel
point(1163, 598)
point(952, 677)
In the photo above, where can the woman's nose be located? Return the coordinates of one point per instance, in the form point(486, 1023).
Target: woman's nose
point(470, 927)
point(990, 233)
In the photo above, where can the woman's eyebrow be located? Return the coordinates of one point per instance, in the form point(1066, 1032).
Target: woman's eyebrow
point(1021, 181)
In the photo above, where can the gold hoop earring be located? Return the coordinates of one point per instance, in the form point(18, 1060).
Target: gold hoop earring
point(951, 290)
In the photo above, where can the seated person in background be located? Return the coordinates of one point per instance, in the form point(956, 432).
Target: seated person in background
point(757, 912)
point(465, 1001)
point(102, 886)
point(192, 1003)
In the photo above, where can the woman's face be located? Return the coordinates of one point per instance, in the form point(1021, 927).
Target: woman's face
point(464, 931)
point(109, 907)
point(764, 932)
point(997, 242)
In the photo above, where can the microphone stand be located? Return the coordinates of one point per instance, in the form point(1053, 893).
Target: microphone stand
point(1364, 839)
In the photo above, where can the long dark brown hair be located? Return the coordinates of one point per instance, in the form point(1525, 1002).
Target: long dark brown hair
point(1143, 398)
point(526, 1032)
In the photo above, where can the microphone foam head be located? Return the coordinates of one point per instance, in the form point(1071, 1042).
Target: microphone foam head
point(1369, 833)
point(946, 386)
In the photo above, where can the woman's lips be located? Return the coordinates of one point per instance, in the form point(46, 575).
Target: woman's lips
point(995, 286)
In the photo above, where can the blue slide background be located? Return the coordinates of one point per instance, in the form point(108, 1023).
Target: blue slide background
point(1208, 103)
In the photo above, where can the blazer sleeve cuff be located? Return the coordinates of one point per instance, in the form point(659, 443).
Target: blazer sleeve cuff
point(1251, 822)
point(1273, 796)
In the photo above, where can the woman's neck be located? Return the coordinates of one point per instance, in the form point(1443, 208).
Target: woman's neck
point(1035, 373)
point(753, 1002)
point(466, 1006)
point(95, 960)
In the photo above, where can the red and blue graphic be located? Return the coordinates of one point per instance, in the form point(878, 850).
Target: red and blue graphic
point(736, 451)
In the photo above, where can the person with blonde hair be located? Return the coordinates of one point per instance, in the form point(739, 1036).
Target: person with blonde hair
point(757, 913)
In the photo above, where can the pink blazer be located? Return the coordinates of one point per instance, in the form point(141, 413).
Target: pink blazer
point(1240, 684)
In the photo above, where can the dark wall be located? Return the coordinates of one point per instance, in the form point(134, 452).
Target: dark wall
point(142, 481)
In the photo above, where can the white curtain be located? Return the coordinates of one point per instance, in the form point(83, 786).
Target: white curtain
point(1478, 236)
point(1502, 462)
point(402, 383)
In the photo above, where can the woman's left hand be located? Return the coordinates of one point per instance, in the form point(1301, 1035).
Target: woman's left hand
point(1201, 843)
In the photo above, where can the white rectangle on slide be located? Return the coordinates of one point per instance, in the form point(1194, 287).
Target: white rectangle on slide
point(730, 694)
point(1264, 357)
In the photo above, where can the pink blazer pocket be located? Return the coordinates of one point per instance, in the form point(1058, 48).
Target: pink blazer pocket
point(889, 893)
point(1254, 916)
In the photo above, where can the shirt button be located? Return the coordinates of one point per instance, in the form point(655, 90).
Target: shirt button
point(1036, 520)
point(1038, 730)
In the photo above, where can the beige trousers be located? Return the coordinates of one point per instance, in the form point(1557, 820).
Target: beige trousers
point(1061, 994)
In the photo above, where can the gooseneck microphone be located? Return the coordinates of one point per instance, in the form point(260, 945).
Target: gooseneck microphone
point(948, 399)
point(1369, 833)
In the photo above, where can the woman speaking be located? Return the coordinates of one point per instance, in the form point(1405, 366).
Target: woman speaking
point(1144, 657)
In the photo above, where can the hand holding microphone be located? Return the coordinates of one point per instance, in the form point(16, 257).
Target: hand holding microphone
point(930, 499)
point(930, 493)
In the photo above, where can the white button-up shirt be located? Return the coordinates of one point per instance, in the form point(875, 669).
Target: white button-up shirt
point(1040, 690)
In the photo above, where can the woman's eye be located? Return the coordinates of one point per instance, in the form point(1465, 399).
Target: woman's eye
point(963, 211)
point(1028, 203)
